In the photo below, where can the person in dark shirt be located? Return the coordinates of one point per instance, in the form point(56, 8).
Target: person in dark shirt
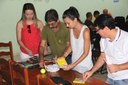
point(126, 24)
point(90, 25)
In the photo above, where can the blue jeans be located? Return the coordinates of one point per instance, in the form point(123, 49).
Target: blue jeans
point(68, 59)
point(117, 82)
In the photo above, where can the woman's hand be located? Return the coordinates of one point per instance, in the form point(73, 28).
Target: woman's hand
point(68, 67)
point(29, 52)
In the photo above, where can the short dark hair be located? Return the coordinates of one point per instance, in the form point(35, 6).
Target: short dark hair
point(88, 14)
point(127, 17)
point(96, 12)
point(51, 15)
point(105, 20)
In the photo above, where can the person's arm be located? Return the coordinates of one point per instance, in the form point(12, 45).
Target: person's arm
point(41, 52)
point(117, 67)
point(122, 66)
point(97, 65)
point(19, 27)
point(68, 50)
point(68, 47)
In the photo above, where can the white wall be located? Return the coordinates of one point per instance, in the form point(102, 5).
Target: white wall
point(10, 12)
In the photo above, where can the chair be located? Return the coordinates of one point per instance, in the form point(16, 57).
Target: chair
point(19, 74)
point(6, 53)
point(126, 26)
point(120, 22)
point(95, 55)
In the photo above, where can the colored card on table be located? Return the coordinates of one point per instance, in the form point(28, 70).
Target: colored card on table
point(79, 81)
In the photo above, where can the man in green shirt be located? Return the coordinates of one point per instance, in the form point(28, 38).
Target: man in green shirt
point(55, 34)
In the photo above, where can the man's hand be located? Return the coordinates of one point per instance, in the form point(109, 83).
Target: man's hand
point(113, 68)
point(68, 67)
point(87, 74)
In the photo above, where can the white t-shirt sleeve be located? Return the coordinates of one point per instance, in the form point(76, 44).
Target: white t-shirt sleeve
point(102, 47)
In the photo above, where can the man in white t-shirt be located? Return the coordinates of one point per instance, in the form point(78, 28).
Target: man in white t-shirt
point(114, 51)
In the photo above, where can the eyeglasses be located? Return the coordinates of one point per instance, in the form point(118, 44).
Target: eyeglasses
point(29, 28)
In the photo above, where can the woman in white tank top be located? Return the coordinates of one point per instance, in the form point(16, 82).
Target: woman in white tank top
point(80, 45)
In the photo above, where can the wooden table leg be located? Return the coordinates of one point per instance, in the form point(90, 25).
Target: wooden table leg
point(0, 80)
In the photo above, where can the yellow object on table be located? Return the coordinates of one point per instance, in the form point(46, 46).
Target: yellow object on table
point(61, 62)
point(42, 71)
point(78, 81)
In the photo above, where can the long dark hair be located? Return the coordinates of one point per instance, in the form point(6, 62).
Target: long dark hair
point(72, 13)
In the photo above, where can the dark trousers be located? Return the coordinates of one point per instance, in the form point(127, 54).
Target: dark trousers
point(68, 59)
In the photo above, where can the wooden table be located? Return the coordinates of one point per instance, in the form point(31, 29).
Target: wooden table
point(68, 76)
point(32, 73)
point(0, 80)
point(22, 75)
